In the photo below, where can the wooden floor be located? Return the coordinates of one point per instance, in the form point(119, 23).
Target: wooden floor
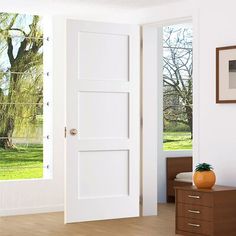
point(51, 224)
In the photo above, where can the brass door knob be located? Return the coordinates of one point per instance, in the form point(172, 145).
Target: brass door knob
point(73, 132)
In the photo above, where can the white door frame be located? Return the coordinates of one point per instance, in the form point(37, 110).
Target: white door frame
point(150, 120)
point(152, 107)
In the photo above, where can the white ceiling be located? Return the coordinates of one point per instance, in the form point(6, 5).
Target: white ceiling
point(127, 4)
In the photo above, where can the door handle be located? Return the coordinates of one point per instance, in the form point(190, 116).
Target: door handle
point(73, 132)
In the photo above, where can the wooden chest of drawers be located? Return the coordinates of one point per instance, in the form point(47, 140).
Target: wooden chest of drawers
point(206, 212)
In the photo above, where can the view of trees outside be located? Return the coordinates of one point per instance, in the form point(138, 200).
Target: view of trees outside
point(21, 96)
point(177, 87)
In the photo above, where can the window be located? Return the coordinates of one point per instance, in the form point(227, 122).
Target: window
point(24, 101)
point(177, 87)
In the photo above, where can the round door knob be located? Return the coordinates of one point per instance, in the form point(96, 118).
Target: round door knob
point(73, 132)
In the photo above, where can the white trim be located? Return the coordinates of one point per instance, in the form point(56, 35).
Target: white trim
point(177, 153)
point(173, 21)
point(150, 121)
point(196, 89)
point(48, 97)
point(31, 210)
point(150, 109)
point(162, 154)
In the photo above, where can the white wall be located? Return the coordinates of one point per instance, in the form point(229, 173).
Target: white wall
point(32, 196)
point(217, 121)
point(18, 197)
point(158, 17)
point(214, 124)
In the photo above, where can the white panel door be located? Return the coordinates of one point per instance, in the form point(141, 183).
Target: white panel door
point(103, 110)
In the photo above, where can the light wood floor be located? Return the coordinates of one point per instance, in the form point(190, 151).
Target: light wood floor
point(51, 224)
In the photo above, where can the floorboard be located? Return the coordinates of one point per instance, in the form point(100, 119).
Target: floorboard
point(51, 224)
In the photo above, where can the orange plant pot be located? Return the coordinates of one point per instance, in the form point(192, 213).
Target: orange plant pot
point(204, 179)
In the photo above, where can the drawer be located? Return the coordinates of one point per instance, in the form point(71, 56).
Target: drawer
point(194, 212)
point(194, 226)
point(194, 198)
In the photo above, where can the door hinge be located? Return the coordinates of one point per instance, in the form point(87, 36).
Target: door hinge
point(141, 200)
point(141, 44)
point(65, 132)
point(141, 122)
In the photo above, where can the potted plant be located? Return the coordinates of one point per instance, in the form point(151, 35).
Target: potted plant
point(204, 176)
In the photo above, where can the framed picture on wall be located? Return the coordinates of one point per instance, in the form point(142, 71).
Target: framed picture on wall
point(226, 74)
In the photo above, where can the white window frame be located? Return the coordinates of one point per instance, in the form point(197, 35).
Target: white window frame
point(163, 154)
point(47, 99)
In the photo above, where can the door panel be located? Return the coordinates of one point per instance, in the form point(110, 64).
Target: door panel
point(103, 56)
point(102, 158)
point(116, 164)
point(111, 112)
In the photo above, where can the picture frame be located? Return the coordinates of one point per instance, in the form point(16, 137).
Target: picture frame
point(226, 74)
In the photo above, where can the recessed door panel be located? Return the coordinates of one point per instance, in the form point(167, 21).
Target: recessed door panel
point(103, 56)
point(108, 180)
point(111, 111)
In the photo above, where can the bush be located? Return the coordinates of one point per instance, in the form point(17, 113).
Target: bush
point(175, 127)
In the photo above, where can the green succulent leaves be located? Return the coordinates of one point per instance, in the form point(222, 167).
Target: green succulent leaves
point(203, 167)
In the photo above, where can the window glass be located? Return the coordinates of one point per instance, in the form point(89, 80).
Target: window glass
point(177, 87)
point(21, 96)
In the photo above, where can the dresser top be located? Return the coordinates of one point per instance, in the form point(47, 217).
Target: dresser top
point(216, 188)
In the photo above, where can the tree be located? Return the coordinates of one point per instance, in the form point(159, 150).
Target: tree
point(177, 75)
point(21, 86)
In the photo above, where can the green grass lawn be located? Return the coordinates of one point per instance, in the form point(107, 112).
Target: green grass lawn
point(27, 162)
point(22, 163)
point(177, 141)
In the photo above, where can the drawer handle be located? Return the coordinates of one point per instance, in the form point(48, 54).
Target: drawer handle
point(194, 225)
point(195, 212)
point(193, 196)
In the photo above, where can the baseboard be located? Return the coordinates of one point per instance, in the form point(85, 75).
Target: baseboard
point(31, 210)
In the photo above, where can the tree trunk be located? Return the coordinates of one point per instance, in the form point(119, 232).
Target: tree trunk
point(189, 112)
point(6, 134)
point(6, 143)
point(8, 117)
